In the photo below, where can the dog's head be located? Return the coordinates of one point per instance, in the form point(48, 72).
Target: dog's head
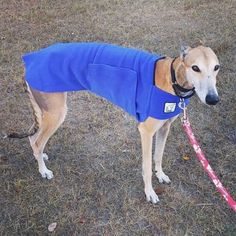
point(201, 67)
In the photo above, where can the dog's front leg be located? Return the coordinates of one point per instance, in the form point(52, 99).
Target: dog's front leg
point(161, 136)
point(147, 130)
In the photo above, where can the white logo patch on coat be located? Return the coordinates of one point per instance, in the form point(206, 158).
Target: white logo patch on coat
point(169, 107)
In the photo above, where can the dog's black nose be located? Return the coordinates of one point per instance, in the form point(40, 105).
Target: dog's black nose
point(212, 99)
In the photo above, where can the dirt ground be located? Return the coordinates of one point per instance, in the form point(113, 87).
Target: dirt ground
point(96, 154)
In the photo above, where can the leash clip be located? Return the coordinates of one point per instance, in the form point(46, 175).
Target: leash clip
point(182, 106)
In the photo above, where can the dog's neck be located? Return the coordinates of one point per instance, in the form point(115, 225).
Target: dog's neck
point(163, 74)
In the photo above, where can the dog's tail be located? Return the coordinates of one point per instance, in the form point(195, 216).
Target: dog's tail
point(36, 112)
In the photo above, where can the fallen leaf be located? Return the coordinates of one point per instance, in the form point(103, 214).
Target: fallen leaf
point(186, 158)
point(82, 220)
point(160, 190)
point(52, 226)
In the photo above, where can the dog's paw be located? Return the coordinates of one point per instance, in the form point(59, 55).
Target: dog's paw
point(162, 177)
point(45, 156)
point(47, 174)
point(151, 196)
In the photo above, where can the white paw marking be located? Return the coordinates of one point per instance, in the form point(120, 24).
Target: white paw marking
point(162, 177)
point(46, 173)
point(45, 156)
point(151, 196)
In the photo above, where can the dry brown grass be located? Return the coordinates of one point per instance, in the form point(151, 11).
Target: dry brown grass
point(96, 156)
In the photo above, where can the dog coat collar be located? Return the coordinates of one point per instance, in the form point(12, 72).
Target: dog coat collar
point(179, 90)
point(123, 76)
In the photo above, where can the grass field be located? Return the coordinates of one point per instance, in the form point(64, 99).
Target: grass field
point(96, 154)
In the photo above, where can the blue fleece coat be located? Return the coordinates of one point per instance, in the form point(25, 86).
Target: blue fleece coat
point(123, 76)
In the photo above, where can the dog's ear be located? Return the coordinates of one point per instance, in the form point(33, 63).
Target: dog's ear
point(184, 49)
point(202, 42)
point(199, 42)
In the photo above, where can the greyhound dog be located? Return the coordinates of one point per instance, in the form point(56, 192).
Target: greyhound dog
point(177, 79)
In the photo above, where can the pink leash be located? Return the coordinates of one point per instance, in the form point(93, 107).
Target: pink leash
point(201, 157)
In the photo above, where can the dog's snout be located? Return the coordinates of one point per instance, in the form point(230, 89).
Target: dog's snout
point(212, 99)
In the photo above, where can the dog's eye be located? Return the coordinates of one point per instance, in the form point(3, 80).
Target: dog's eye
point(195, 68)
point(217, 67)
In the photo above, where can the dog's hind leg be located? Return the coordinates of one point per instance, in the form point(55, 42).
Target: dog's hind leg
point(52, 109)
